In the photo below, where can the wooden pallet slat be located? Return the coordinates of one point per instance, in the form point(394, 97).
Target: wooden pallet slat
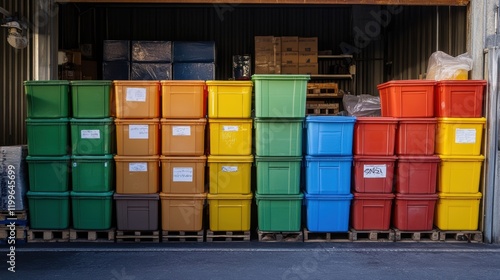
point(416, 236)
point(47, 235)
point(323, 88)
point(182, 236)
point(310, 236)
point(20, 218)
point(214, 236)
point(461, 236)
point(76, 235)
point(372, 235)
point(284, 236)
point(19, 232)
point(152, 236)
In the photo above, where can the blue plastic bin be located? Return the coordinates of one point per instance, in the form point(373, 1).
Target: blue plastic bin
point(327, 213)
point(328, 175)
point(329, 135)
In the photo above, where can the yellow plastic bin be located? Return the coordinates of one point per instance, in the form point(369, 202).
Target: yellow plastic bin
point(229, 99)
point(230, 174)
point(230, 137)
point(137, 137)
point(459, 136)
point(229, 212)
point(137, 99)
point(459, 174)
point(183, 99)
point(457, 211)
point(183, 137)
point(137, 175)
point(182, 212)
point(183, 175)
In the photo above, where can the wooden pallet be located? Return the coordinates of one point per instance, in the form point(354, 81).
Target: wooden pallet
point(322, 108)
point(76, 235)
point(323, 88)
point(372, 235)
point(416, 236)
point(151, 236)
point(47, 235)
point(461, 236)
point(182, 236)
point(214, 236)
point(326, 236)
point(284, 236)
point(19, 217)
point(19, 233)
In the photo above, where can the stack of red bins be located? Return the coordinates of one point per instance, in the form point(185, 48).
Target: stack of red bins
point(374, 166)
point(412, 102)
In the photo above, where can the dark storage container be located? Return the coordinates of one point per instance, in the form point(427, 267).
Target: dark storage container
point(137, 212)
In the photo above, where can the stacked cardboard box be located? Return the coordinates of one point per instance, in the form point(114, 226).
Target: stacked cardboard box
point(308, 55)
point(290, 55)
point(267, 55)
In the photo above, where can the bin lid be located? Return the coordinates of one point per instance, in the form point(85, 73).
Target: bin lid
point(47, 83)
point(91, 194)
point(91, 83)
point(153, 196)
point(329, 196)
point(462, 120)
point(406, 83)
point(103, 157)
point(48, 194)
point(229, 196)
point(418, 120)
point(460, 195)
point(280, 77)
point(260, 158)
point(278, 120)
point(183, 83)
point(196, 196)
point(280, 196)
point(434, 158)
point(168, 158)
point(48, 121)
point(136, 158)
point(135, 83)
point(93, 121)
point(331, 119)
point(417, 196)
point(137, 121)
point(373, 195)
point(461, 158)
point(461, 83)
point(377, 120)
point(230, 120)
point(375, 158)
point(329, 158)
point(46, 158)
point(233, 159)
point(229, 83)
point(184, 121)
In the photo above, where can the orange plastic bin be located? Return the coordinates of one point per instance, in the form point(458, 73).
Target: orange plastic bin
point(375, 136)
point(460, 99)
point(137, 99)
point(183, 99)
point(137, 137)
point(407, 98)
point(183, 174)
point(183, 137)
point(137, 175)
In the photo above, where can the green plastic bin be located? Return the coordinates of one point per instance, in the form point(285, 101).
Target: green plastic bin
point(280, 96)
point(92, 173)
point(91, 99)
point(47, 99)
point(48, 174)
point(278, 137)
point(279, 212)
point(47, 137)
point(48, 210)
point(92, 136)
point(278, 175)
point(92, 210)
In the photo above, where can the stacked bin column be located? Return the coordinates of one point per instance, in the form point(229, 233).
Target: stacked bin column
point(230, 159)
point(279, 115)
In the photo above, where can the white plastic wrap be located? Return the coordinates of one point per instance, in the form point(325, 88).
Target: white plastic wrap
point(363, 105)
point(443, 66)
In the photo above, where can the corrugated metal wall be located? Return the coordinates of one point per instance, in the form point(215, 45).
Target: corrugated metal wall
point(15, 67)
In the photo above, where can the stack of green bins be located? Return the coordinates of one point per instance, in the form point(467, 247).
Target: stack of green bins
point(48, 159)
point(279, 116)
point(92, 146)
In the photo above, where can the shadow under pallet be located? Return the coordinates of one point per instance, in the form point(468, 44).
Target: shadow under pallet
point(283, 236)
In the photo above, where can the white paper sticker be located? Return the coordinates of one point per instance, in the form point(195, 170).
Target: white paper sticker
point(229, 168)
point(136, 94)
point(465, 136)
point(138, 131)
point(181, 131)
point(90, 134)
point(138, 167)
point(183, 174)
point(375, 171)
point(230, 128)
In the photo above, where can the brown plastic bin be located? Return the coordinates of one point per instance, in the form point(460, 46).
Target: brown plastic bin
point(182, 212)
point(183, 175)
point(137, 175)
point(183, 137)
point(183, 99)
point(137, 137)
point(137, 99)
point(137, 212)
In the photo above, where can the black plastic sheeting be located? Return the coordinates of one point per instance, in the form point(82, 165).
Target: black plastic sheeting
point(13, 159)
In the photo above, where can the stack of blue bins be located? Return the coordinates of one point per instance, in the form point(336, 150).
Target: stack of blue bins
point(194, 60)
point(327, 165)
point(151, 60)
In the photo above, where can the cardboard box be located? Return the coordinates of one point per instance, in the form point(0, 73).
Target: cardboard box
point(264, 43)
point(267, 69)
point(89, 70)
point(277, 44)
point(308, 57)
point(289, 68)
point(289, 44)
point(267, 57)
point(308, 44)
point(309, 68)
point(290, 58)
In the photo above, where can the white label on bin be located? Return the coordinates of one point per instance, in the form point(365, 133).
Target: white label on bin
point(105, 164)
point(465, 136)
point(229, 168)
point(136, 94)
point(91, 134)
point(138, 167)
point(375, 171)
point(181, 131)
point(138, 131)
point(230, 128)
point(183, 174)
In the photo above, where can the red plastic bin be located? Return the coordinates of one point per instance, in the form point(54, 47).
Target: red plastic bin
point(417, 175)
point(460, 99)
point(407, 98)
point(371, 211)
point(414, 211)
point(375, 136)
point(416, 136)
point(373, 174)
